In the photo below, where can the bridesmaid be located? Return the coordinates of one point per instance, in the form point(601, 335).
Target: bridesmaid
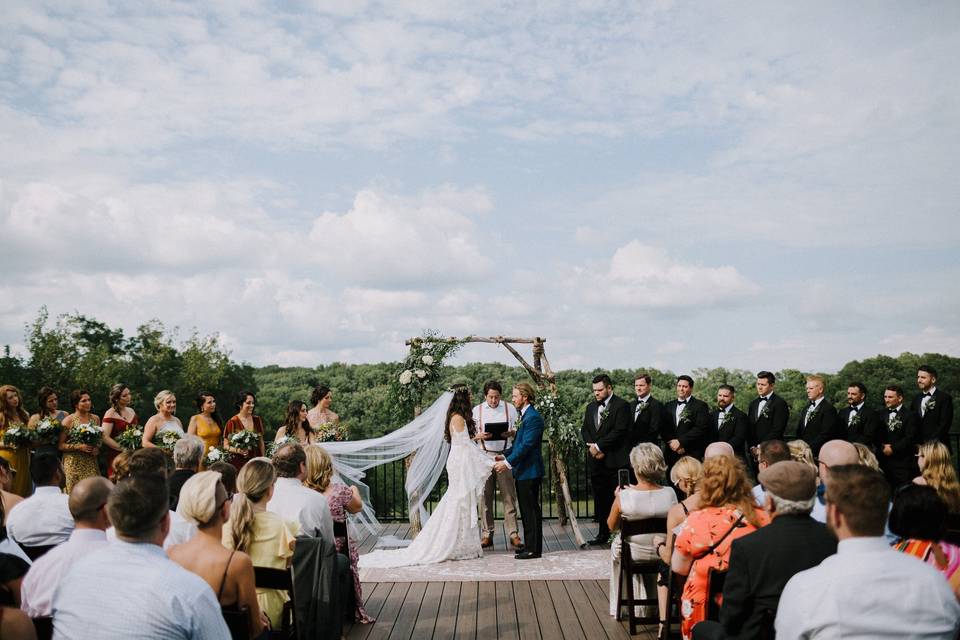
point(321, 398)
point(296, 425)
point(12, 414)
point(79, 460)
point(118, 418)
point(163, 420)
point(206, 424)
point(47, 407)
point(244, 421)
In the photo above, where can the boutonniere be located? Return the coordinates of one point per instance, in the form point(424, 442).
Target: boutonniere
point(931, 405)
point(727, 417)
point(641, 407)
point(895, 423)
point(765, 412)
point(603, 414)
point(856, 420)
point(518, 423)
point(684, 415)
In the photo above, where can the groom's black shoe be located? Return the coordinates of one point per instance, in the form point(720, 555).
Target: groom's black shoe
point(597, 542)
point(525, 555)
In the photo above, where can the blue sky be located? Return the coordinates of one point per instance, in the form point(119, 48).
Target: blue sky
point(672, 184)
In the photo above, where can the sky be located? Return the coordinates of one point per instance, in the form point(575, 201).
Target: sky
point(669, 184)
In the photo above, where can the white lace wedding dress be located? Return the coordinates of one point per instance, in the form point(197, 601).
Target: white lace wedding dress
point(451, 531)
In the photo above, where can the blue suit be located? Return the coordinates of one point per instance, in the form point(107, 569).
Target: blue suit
point(526, 462)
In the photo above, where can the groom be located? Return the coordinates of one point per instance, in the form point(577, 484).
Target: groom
point(524, 459)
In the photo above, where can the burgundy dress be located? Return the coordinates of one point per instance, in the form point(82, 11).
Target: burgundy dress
point(339, 498)
point(119, 426)
point(233, 426)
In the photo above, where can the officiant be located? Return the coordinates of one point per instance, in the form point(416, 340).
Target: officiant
point(495, 420)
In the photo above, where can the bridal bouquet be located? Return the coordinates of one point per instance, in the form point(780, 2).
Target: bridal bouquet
point(330, 432)
point(273, 446)
point(245, 440)
point(19, 436)
point(89, 434)
point(48, 430)
point(215, 455)
point(166, 440)
point(131, 439)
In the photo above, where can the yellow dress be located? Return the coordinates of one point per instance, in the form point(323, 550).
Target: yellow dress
point(19, 459)
point(78, 465)
point(269, 547)
point(208, 431)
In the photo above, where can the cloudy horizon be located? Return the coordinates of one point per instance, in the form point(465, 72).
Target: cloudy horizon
point(675, 185)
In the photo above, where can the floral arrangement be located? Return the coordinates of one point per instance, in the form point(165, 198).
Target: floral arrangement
point(560, 425)
point(684, 415)
point(765, 412)
point(89, 434)
point(17, 435)
point(215, 455)
point(245, 440)
point(728, 417)
point(131, 439)
point(167, 439)
point(48, 430)
point(279, 442)
point(421, 369)
point(330, 432)
point(895, 424)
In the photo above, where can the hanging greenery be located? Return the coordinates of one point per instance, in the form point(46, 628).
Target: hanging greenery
point(560, 424)
point(421, 369)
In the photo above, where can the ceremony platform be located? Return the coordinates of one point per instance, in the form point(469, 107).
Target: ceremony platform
point(519, 609)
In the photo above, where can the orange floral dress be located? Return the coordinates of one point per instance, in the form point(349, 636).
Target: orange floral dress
point(702, 529)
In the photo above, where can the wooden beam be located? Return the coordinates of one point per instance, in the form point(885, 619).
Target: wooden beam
point(490, 340)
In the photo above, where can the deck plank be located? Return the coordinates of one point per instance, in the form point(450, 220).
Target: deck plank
point(467, 611)
point(566, 616)
point(506, 611)
point(545, 610)
point(409, 612)
point(388, 614)
point(428, 617)
point(487, 610)
point(446, 625)
point(527, 626)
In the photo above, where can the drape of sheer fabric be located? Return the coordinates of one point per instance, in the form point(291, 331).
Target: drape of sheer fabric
point(423, 436)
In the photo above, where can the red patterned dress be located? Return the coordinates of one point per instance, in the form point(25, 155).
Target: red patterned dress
point(339, 497)
point(235, 425)
point(117, 426)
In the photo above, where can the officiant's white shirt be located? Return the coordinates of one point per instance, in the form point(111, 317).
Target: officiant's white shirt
point(484, 414)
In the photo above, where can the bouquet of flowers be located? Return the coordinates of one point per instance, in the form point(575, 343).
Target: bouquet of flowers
point(48, 430)
point(166, 440)
point(273, 446)
point(215, 455)
point(131, 439)
point(330, 432)
point(245, 440)
point(18, 436)
point(89, 434)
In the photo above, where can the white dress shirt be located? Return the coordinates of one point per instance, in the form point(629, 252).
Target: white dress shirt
point(484, 414)
point(679, 409)
point(36, 592)
point(297, 503)
point(925, 400)
point(181, 531)
point(854, 414)
point(811, 409)
point(721, 414)
point(867, 590)
point(42, 519)
point(128, 591)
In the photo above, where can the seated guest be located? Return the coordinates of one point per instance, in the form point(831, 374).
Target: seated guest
point(44, 518)
point(12, 570)
point(228, 475)
point(833, 453)
point(867, 457)
point(919, 519)
point(87, 504)
point(341, 500)
point(265, 536)
point(293, 501)
point(205, 502)
point(727, 512)
point(936, 470)
point(718, 449)
point(160, 599)
point(648, 498)
point(762, 562)
point(186, 458)
point(7, 474)
point(866, 590)
point(768, 453)
point(801, 452)
point(15, 624)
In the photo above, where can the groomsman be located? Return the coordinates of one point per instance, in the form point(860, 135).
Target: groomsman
point(686, 423)
point(933, 406)
point(857, 418)
point(768, 414)
point(729, 423)
point(899, 435)
point(606, 433)
point(819, 422)
point(647, 413)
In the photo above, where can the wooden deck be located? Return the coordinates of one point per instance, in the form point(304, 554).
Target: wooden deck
point(575, 609)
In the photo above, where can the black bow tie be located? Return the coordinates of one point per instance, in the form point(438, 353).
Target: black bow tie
point(854, 409)
point(682, 401)
point(928, 395)
point(891, 411)
point(763, 398)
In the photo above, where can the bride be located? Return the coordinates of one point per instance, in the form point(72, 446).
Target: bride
point(451, 532)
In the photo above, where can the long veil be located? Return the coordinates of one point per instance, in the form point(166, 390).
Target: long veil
point(422, 436)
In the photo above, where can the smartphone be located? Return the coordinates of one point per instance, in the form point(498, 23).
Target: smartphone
point(624, 477)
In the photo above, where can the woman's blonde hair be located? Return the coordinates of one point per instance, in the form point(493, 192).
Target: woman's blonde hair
point(200, 498)
point(939, 473)
point(801, 452)
point(724, 483)
point(253, 483)
point(647, 462)
point(319, 468)
point(687, 470)
point(867, 458)
point(161, 397)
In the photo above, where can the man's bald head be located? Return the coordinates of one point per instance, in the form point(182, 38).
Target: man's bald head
point(838, 452)
point(715, 449)
point(88, 499)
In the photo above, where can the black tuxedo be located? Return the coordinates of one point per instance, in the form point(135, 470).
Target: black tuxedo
point(901, 467)
point(864, 428)
point(772, 425)
point(646, 425)
point(693, 429)
point(823, 425)
point(761, 563)
point(732, 431)
point(936, 422)
point(612, 436)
